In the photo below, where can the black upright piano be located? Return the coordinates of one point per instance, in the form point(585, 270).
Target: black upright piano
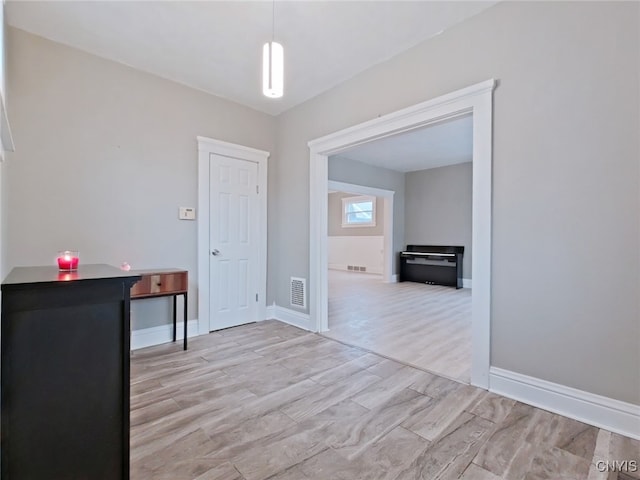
point(432, 264)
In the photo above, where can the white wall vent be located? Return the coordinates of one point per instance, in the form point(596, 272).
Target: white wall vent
point(298, 292)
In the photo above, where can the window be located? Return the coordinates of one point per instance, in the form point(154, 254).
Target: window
point(359, 211)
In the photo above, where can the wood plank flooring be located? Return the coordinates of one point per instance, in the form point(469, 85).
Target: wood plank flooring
point(425, 326)
point(270, 401)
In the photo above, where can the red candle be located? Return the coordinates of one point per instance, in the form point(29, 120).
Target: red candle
point(68, 260)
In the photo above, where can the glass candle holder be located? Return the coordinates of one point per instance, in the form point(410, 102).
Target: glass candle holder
point(68, 260)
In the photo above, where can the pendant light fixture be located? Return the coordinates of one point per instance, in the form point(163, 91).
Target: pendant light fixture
point(273, 63)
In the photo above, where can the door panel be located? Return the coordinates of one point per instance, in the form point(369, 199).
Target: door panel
point(243, 277)
point(233, 246)
point(223, 218)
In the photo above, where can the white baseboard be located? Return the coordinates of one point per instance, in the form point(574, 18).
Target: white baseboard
point(286, 315)
point(603, 412)
point(271, 312)
point(466, 283)
point(148, 337)
point(394, 278)
point(345, 268)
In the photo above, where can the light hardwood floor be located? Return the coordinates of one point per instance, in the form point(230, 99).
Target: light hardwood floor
point(425, 326)
point(270, 401)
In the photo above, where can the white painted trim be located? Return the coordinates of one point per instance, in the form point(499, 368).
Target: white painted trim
point(207, 147)
point(387, 241)
point(231, 149)
point(6, 138)
point(361, 189)
point(394, 279)
point(456, 103)
point(148, 337)
point(388, 195)
point(466, 283)
point(602, 412)
point(345, 268)
point(286, 315)
point(476, 99)
point(270, 313)
point(481, 229)
point(359, 198)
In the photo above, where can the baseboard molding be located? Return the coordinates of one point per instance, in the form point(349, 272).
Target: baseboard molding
point(336, 266)
point(394, 278)
point(603, 412)
point(271, 312)
point(148, 337)
point(286, 315)
point(466, 283)
point(345, 268)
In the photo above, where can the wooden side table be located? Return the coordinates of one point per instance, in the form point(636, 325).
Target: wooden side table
point(169, 282)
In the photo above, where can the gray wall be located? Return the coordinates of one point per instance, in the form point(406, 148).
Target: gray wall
point(565, 173)
point(334, 217)
point(104, 157)
point(358, 173)
point(438, 208)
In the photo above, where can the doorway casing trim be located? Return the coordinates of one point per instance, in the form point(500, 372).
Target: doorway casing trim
point(476, 99)
point(207, 147)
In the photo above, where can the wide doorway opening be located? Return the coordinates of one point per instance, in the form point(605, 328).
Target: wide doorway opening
point(476, 101)
point(418, 319)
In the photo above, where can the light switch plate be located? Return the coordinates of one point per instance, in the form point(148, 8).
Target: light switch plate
point(187, 213)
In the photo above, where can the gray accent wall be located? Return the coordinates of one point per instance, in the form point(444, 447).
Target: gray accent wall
point(105, 155)
point(565, 178)
point(334, 217)
point(438, 208)
point(358, 173)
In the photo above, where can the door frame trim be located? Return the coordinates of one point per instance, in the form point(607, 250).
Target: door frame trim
point(476, 99)
point(207, 147)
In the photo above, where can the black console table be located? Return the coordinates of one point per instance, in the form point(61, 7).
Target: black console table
point(65, 373)
point(438, 265)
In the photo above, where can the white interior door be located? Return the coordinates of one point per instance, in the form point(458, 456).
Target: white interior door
point(233, 224)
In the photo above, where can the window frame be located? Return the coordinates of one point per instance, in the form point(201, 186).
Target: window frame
point(346, 201)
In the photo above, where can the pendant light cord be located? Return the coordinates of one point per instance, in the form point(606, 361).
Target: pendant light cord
point(272, 61)
point(273, 20)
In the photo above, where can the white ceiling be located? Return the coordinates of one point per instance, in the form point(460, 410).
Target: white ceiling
point(215, 46)
point(445, 143)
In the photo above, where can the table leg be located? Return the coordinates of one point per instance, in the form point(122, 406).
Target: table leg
point(185, 320)
point(174, 316)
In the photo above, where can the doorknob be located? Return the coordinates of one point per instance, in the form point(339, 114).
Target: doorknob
point(215, 252)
